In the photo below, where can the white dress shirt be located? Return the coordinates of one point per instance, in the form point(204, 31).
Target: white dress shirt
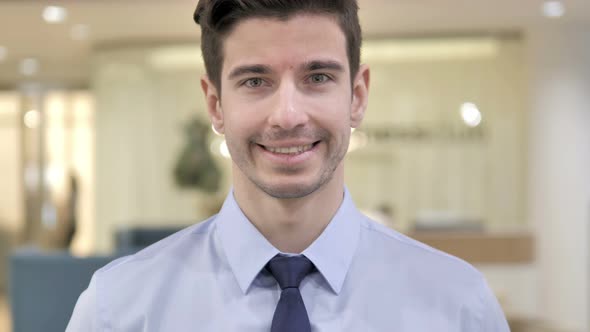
point(211, 277)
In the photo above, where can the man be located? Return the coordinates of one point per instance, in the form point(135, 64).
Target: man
point(288, 251)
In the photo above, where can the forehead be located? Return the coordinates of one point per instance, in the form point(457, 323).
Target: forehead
point(275, 42)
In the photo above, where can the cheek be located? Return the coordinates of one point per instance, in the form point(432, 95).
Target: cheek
point(333, 114)
point(235, 130)
point(243, 112)
point(237, 116)
point(240, 130)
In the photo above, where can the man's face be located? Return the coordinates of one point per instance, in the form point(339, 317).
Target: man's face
point(287, 105)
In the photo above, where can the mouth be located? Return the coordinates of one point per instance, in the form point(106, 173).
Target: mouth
point(290, 150)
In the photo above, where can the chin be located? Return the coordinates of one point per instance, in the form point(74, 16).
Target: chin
point(288, 191)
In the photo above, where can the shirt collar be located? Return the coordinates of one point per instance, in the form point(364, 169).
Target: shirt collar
point(248, 251)
point(333, 250)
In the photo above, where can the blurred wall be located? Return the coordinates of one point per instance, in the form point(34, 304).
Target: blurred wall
point(142, 109)
point(559, 170)
point(11, 194)
point(474, 174)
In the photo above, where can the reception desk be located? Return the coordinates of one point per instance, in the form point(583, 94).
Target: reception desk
point(482, 247)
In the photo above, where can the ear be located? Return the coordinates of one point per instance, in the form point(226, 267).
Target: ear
point(213, 104)
point(360, 96)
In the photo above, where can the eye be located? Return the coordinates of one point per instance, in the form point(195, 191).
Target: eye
point(254, 82)
point(319, 78)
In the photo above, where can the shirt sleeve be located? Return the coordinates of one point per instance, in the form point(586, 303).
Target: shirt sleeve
point(492, 317)
point(85, 315)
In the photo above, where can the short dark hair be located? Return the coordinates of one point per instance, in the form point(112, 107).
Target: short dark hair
point(218, 17)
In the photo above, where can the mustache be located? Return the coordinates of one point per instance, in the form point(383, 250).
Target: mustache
point(278, 134)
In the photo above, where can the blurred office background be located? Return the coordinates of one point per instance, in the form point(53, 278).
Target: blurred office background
point(476, 141)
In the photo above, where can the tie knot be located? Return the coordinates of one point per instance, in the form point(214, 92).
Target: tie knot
point(289, 271)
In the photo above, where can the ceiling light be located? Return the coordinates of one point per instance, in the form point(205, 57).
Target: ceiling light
point(430, 49)
point(29, 66)
point(176, 58)
point(470, 114)
point(32, 119)
point(2, 53)
point(54, 14)
point(553, 9)
point(54, 176)
point(80, 32)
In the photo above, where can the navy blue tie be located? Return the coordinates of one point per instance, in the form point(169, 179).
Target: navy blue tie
point(290, 314)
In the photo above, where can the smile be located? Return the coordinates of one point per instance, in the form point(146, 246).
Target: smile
point(291, 150)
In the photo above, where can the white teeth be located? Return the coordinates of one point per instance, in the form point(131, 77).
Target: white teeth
point(290, 150)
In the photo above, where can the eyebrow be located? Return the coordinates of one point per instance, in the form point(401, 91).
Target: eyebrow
point(322, 65)
point(264, 70)
point(249, 69)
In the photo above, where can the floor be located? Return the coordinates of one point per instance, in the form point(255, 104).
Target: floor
point(4, 314)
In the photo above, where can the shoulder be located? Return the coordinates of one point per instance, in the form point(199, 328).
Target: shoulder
point(423, 263)
point(429, 277)
point(142, 281)
point(169, 253)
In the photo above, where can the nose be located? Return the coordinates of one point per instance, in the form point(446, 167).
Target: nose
point(287, 112)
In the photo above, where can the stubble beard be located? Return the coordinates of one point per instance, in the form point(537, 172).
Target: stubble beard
point(247, 167)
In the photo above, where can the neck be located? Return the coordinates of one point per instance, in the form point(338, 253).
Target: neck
point(291, 225)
